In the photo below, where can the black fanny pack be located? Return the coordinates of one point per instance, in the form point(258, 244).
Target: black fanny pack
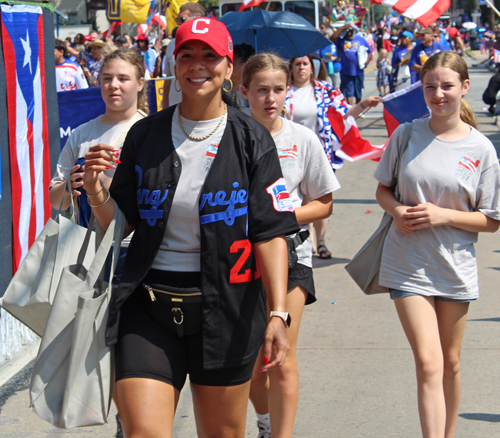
point(176, 309)
point(292, 244)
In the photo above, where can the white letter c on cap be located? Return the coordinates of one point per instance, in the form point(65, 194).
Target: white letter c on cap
point(194, 27)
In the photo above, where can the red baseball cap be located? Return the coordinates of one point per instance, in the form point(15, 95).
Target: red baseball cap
point(212, 32)
point(142, 37)
point(87, 38)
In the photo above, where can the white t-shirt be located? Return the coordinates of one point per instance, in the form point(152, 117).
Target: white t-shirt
point(78, 144)
point(462, 175)
point(69, 76)
point(305, 111)
point(174, 96)
point(180, 248)
point(306, 171)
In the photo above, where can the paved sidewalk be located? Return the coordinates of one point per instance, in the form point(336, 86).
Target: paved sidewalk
point(357, 375)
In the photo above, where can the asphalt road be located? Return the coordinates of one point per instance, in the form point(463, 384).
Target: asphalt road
point(357, 375)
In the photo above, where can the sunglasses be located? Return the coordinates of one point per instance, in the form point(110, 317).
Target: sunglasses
point(180, 20)
point(436, 36)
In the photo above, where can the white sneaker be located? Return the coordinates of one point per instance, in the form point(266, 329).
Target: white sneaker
point(264, 431)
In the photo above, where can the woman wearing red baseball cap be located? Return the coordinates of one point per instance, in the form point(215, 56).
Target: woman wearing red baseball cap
point(201, 186)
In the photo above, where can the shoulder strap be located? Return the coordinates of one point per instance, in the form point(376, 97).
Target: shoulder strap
point(120, 138)
point(401, 150)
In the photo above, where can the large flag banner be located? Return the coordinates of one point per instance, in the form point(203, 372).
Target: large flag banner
point(128, 11)
point(403, 106)
point(424, 11)
point(22, 43)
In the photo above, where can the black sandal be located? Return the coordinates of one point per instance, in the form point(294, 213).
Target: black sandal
point(323, 252)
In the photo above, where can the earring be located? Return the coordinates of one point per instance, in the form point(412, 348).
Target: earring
point(175, 86)
point(227, 91)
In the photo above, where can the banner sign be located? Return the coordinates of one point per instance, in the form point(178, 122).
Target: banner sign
point(24, 57)
point(81, 106)
point(76, 108)
point(128, 11)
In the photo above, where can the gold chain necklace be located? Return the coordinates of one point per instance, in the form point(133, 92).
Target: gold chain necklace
point(206, 136)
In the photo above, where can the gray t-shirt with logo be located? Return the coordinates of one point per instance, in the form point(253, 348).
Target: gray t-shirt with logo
point(463, 175)
point(306, 170)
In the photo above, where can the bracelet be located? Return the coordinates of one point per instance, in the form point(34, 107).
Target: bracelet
point(100, 205)
point(93, 196)
point(362, 106)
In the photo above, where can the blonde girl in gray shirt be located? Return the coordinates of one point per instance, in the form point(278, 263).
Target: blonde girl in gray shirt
point(448, 183)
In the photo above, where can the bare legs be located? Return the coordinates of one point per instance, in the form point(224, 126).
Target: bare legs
point(435, 332)
point(278, 393)
point(147, 409)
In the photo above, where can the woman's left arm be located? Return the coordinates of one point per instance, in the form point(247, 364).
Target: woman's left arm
point(356, 110)
point(320, 208)
point(272, 259)
point(430, 215)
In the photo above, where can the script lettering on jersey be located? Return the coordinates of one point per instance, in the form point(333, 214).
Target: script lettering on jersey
point(222, 199)
point(147, 198)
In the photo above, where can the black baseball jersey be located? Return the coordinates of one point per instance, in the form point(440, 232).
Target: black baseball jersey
point(243, 200)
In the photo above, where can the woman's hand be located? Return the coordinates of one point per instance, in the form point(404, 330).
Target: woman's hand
point(275, 338)
point(425, 216)
point(76, 178)
point(98, 159)
point(371, 101)
point(399, 219)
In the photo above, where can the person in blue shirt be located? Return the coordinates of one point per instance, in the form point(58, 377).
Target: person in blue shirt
point(329, 55)
point(402, 49)
point(423, 51)
point(147, 53)
point(353, 50)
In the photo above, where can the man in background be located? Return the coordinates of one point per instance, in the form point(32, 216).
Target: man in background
point(69, 75)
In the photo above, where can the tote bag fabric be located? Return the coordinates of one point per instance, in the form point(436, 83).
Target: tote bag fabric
point(31, 291)
point(71, 383)
point(364, 268)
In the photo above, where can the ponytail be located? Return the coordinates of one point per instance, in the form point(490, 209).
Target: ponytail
point(466, 114)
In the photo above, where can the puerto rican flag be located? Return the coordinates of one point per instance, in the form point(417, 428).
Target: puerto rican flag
point(470, 164)
point(22, 43)
point(424, 11)
point(212, 150)
point(496, 56)
point(288, 153)
point(249, 4)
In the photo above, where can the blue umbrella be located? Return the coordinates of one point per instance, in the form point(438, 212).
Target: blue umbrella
point(284, 33)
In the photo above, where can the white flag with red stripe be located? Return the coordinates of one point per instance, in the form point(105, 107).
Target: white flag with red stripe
point(112, 27)
point(250, 3)
point(22, 43)
point(424, 11)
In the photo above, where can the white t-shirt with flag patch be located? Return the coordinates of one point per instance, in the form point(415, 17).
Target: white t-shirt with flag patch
point(306, 170)
point(461, 175)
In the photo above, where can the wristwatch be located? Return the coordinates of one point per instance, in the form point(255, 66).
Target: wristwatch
point(285, 316)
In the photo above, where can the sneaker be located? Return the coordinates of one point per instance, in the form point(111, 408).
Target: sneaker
point(264, 431)
point(119, 430)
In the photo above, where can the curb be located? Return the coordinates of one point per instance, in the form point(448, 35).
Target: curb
point(16, 372)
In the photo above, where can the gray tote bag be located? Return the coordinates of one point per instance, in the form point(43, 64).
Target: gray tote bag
point(72, 379)
point(364, 268)
point(31, 291)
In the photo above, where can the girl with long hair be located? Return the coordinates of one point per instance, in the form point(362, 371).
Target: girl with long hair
point(201, 185)
point(123, 90)
point(448, 184)
point(307, 173)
